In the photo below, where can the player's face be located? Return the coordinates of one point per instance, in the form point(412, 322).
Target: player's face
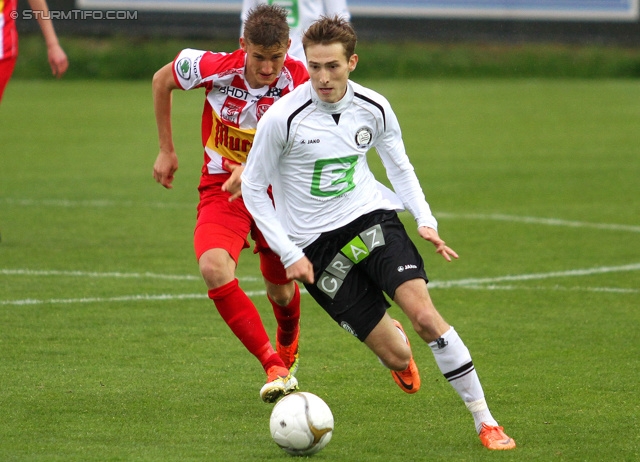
point(329, 70)
point(263, 64)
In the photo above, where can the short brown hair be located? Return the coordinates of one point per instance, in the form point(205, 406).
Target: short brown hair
point(266, 26)
point(328, 30)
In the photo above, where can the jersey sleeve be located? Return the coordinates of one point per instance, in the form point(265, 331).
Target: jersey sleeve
point(401, 173)
point(186, 68)
point(261, 171)
point(297, 69)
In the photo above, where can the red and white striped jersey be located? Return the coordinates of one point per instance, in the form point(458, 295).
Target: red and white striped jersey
point(8, 32)
point(232, 108)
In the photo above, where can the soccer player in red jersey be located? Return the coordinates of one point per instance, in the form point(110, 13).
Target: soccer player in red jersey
point(9, 40)
point(239, 88)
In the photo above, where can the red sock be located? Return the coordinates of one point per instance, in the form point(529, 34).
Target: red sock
point(241, 315)
point(288, 318)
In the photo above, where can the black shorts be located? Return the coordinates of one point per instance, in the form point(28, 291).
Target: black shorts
point(354, 266)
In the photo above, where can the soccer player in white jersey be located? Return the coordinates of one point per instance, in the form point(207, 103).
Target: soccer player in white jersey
point(337, 231)
point(300, 15)
point(239, 88)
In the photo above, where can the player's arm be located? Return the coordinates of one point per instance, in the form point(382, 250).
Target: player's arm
point(260, 172)
point(405, 183)
point(166, 163)
point(431, 235)
point(301, 270)
point(55, 54)
point(233, 185)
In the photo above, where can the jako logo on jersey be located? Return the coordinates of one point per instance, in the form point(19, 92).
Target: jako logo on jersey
point(363, 137)
point(184, 68)
point(406, 267)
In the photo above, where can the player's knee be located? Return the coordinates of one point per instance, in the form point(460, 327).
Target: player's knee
point(397, 362)
point(281, 294)
point(215, 272)
point(428, 323)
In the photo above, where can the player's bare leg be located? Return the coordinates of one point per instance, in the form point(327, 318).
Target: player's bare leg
point(453, 359)
point(389, 341)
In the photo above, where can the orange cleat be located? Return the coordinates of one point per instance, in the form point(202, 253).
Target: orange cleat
point(289, 354)
point(409, 379)
point(495, 438)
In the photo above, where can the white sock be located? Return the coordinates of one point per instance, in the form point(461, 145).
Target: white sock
point(454, 361)
point(480, 412)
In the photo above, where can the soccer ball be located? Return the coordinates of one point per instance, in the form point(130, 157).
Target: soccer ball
point(301, 423)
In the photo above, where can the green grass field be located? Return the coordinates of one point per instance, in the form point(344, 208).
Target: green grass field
point(110, 350)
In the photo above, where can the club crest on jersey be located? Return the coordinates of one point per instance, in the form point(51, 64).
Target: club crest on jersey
point(184, 68)
point(364, 136)
point(261, 109)
point(231, 112)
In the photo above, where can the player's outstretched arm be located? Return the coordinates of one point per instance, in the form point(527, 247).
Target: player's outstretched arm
point(167, 161)
point(431, 235)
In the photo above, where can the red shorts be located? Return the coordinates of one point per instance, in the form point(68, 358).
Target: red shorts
point(6, 70)
point(225, 225)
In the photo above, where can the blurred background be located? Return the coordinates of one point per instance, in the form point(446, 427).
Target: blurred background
point(508, 21)
point(406, 38)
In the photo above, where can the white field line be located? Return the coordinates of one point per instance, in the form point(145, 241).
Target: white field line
point(471, 283)
point(540, 221)
point(94, 203)
point(613, 290)
point(535, 276)
point(124, 298)
point(97, 203)
point(94, 274)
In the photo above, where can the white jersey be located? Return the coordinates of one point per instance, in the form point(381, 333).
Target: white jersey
point(300, 15)
point(314, 155)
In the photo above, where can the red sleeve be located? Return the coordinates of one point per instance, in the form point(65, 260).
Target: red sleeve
point(297, 69)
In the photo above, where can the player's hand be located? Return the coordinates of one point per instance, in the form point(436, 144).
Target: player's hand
point(165, 166)
point(302, 271)
point(233, 185)
point(431, 235)
point(57, 60)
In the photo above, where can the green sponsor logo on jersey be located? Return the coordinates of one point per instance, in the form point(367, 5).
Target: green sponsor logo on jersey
point(184, 68)
point(293, 12)
point(333, 177)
